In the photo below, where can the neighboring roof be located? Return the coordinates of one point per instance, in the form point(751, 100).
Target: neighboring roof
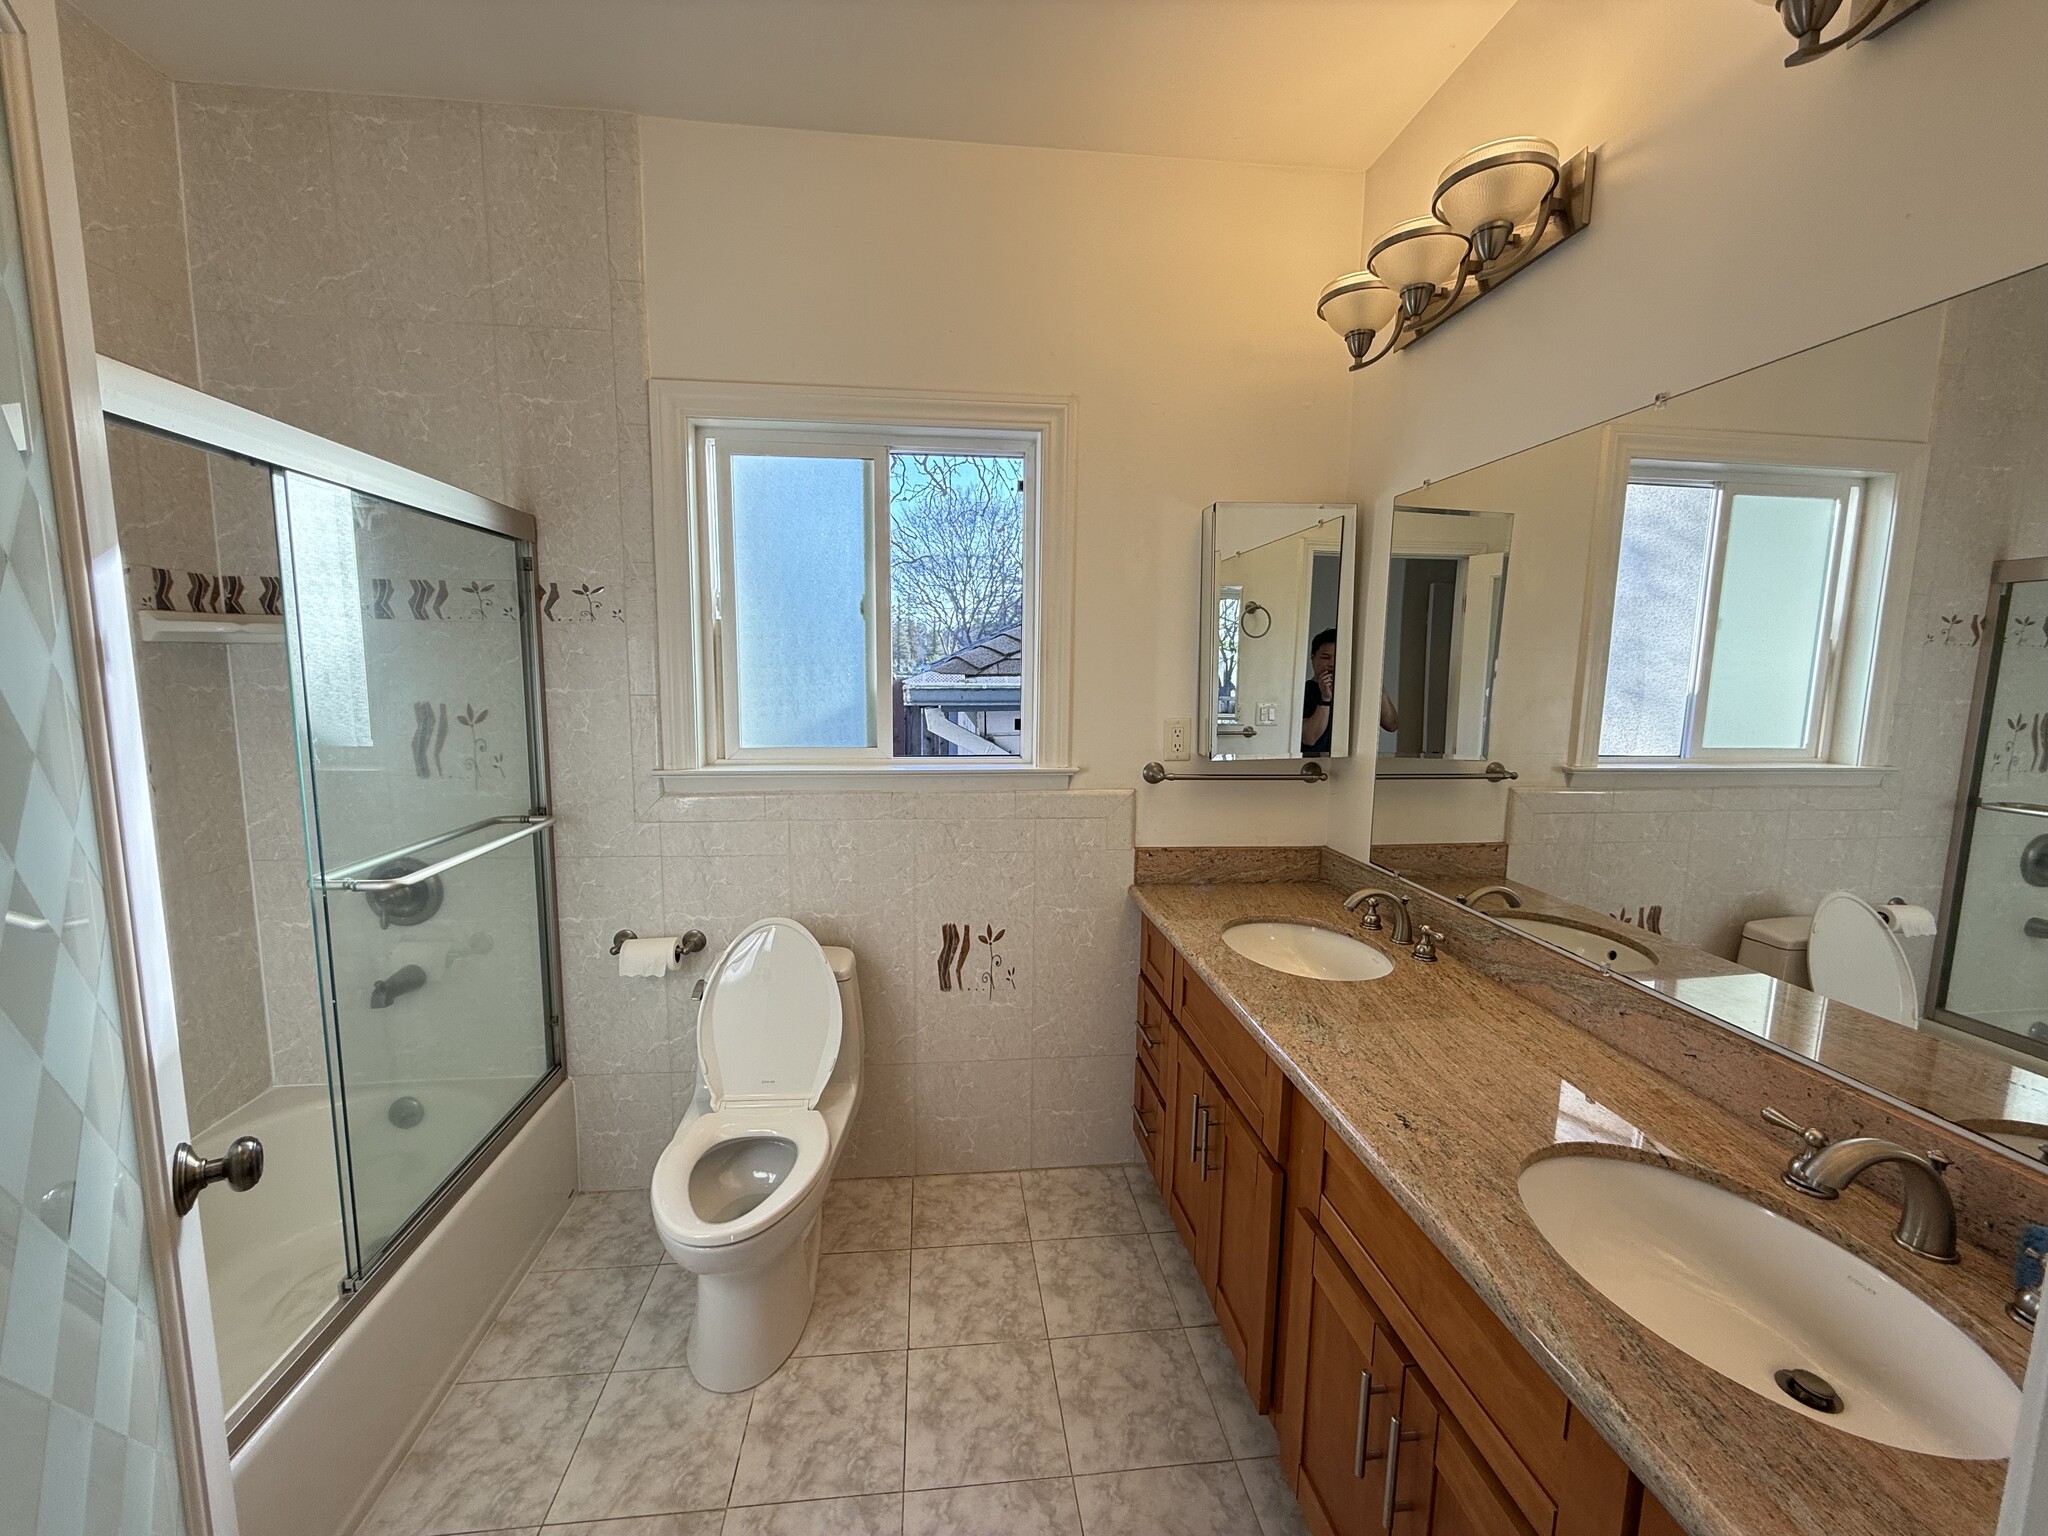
point(997, 655)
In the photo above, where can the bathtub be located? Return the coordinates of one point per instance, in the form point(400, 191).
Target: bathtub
point(274, 1254)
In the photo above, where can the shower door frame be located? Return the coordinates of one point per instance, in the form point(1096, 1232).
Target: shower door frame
point(147, 402)
point(2005, 575)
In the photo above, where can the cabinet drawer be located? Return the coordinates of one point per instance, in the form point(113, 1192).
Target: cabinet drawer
point(1148, 1121)
point(1242, 1067)
point(1152, 1027)
point(1155, 958)
point(1490, 1382)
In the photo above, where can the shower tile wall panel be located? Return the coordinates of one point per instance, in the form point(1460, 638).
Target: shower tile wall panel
point(1713, 859)
point(124, 129)
point(1021, 1063)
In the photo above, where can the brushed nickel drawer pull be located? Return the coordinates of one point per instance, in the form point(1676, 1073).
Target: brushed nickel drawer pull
point(1195, 1128)
point(1358, 1445)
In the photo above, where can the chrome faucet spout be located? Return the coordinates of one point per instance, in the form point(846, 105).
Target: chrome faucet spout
point(1396, 906)
point(1507, 894)
point(1927, 1215)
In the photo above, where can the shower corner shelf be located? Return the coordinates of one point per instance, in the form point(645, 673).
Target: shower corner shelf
point(211, 628)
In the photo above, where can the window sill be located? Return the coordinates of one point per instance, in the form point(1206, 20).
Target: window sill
point(1709, 775)
point(912, 777)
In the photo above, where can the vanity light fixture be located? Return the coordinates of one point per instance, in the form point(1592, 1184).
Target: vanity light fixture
point(1496, 209)
point(1806, 20)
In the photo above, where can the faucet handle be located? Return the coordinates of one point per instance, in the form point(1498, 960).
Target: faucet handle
point(1814, 1137)
point(1425, 942)
point(1371, 919)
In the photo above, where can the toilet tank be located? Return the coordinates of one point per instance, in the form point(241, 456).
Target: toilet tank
point(1776, 946)
point(852, 1037)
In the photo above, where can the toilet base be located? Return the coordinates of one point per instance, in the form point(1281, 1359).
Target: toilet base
point(748, 1321)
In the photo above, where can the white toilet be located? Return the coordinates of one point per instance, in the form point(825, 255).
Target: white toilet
point(1855, 955)
point(737, 1193)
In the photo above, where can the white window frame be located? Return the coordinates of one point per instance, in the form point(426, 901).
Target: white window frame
point(697, 743)
point(1868, 613)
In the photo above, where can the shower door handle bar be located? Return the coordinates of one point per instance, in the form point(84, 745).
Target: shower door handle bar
point(403, 882)
point(350, 871)
point(2013, 806)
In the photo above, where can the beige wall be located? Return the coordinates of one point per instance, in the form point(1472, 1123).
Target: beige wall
point(1744, 211)
point(1173, 300)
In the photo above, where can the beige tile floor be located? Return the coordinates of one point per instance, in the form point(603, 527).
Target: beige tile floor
point(995, 1354)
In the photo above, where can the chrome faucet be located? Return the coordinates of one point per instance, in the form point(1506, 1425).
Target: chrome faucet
point(1824, 1168)
point(1372, 896)
point(1506, 894)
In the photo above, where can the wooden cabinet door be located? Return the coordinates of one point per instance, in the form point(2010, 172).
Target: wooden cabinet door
point(1246, 1283)
point(1408, 1497)
point(1148, 1122)
point(1190, 1189)
point(1467, 1499)
point(1351, 1383)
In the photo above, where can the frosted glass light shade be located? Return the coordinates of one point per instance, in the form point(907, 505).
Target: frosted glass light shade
point(1424, 250)
point(1504, 182)
point(1357, 301)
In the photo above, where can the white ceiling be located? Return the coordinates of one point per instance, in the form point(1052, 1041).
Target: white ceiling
point(1305, 82)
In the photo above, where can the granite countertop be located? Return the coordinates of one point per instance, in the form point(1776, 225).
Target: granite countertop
point(1446, 1085)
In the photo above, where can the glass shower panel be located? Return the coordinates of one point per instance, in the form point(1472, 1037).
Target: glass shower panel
point(412, 643)
point(86, 1443)
point(1997, 964)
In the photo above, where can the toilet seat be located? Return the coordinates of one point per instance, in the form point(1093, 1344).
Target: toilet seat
point(674, 1212)
point(768, 1033)
point(1854, 957)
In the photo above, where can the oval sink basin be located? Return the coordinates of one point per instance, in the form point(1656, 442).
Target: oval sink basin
point(1751, 1294)
point(1610, 950)
point(1301, 949)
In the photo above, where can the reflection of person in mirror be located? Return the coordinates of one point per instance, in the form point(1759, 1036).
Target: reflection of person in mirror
point(1318, 695)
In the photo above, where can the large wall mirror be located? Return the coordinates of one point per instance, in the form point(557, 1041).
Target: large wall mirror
point(1276, 629)
point(1771, 663)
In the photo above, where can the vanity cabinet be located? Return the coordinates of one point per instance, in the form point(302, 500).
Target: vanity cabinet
point(1404, 1406)
point(1221, 1181)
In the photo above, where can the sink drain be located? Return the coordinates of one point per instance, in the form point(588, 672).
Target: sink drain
point(1815, 1391)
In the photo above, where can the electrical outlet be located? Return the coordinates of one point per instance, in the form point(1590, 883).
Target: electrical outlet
point(1177, 734)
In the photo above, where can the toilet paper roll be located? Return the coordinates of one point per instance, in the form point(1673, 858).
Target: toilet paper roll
point(647, 957)
point(1907, 920)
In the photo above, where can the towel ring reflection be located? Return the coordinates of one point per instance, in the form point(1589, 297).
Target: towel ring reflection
point(1244, 621)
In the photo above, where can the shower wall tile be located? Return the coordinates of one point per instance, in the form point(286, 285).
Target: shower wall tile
point(408, 176)
point(261, 224)
point(422, 398)
point(545, 205)
point(124, 145)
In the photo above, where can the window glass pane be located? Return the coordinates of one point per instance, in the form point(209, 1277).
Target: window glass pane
point(799, 559)
point(956, 603)
point(1660, 584)
point(1774, 590)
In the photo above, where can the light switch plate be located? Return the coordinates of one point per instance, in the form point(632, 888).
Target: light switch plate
point(1269, 714)
point(1177, 734)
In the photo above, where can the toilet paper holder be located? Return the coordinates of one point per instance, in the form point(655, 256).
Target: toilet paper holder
point(688, 944)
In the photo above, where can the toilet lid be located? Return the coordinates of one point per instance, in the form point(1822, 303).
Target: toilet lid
point(769, 1029)
point(1855, 958)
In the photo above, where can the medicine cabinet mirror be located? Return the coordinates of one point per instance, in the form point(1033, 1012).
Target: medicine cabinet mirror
point(1277, 582)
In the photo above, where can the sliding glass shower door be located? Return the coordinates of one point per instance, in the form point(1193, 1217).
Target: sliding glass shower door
point(412, 648)
point(1994, 973)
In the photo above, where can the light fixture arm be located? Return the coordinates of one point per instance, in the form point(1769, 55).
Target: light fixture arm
point(1868, 19)
point(1366, 358)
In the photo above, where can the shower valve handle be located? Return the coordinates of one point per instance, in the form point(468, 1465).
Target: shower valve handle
point(240, 1168)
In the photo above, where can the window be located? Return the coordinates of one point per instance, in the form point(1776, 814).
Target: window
point(864, 597)
point(1730, 638)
